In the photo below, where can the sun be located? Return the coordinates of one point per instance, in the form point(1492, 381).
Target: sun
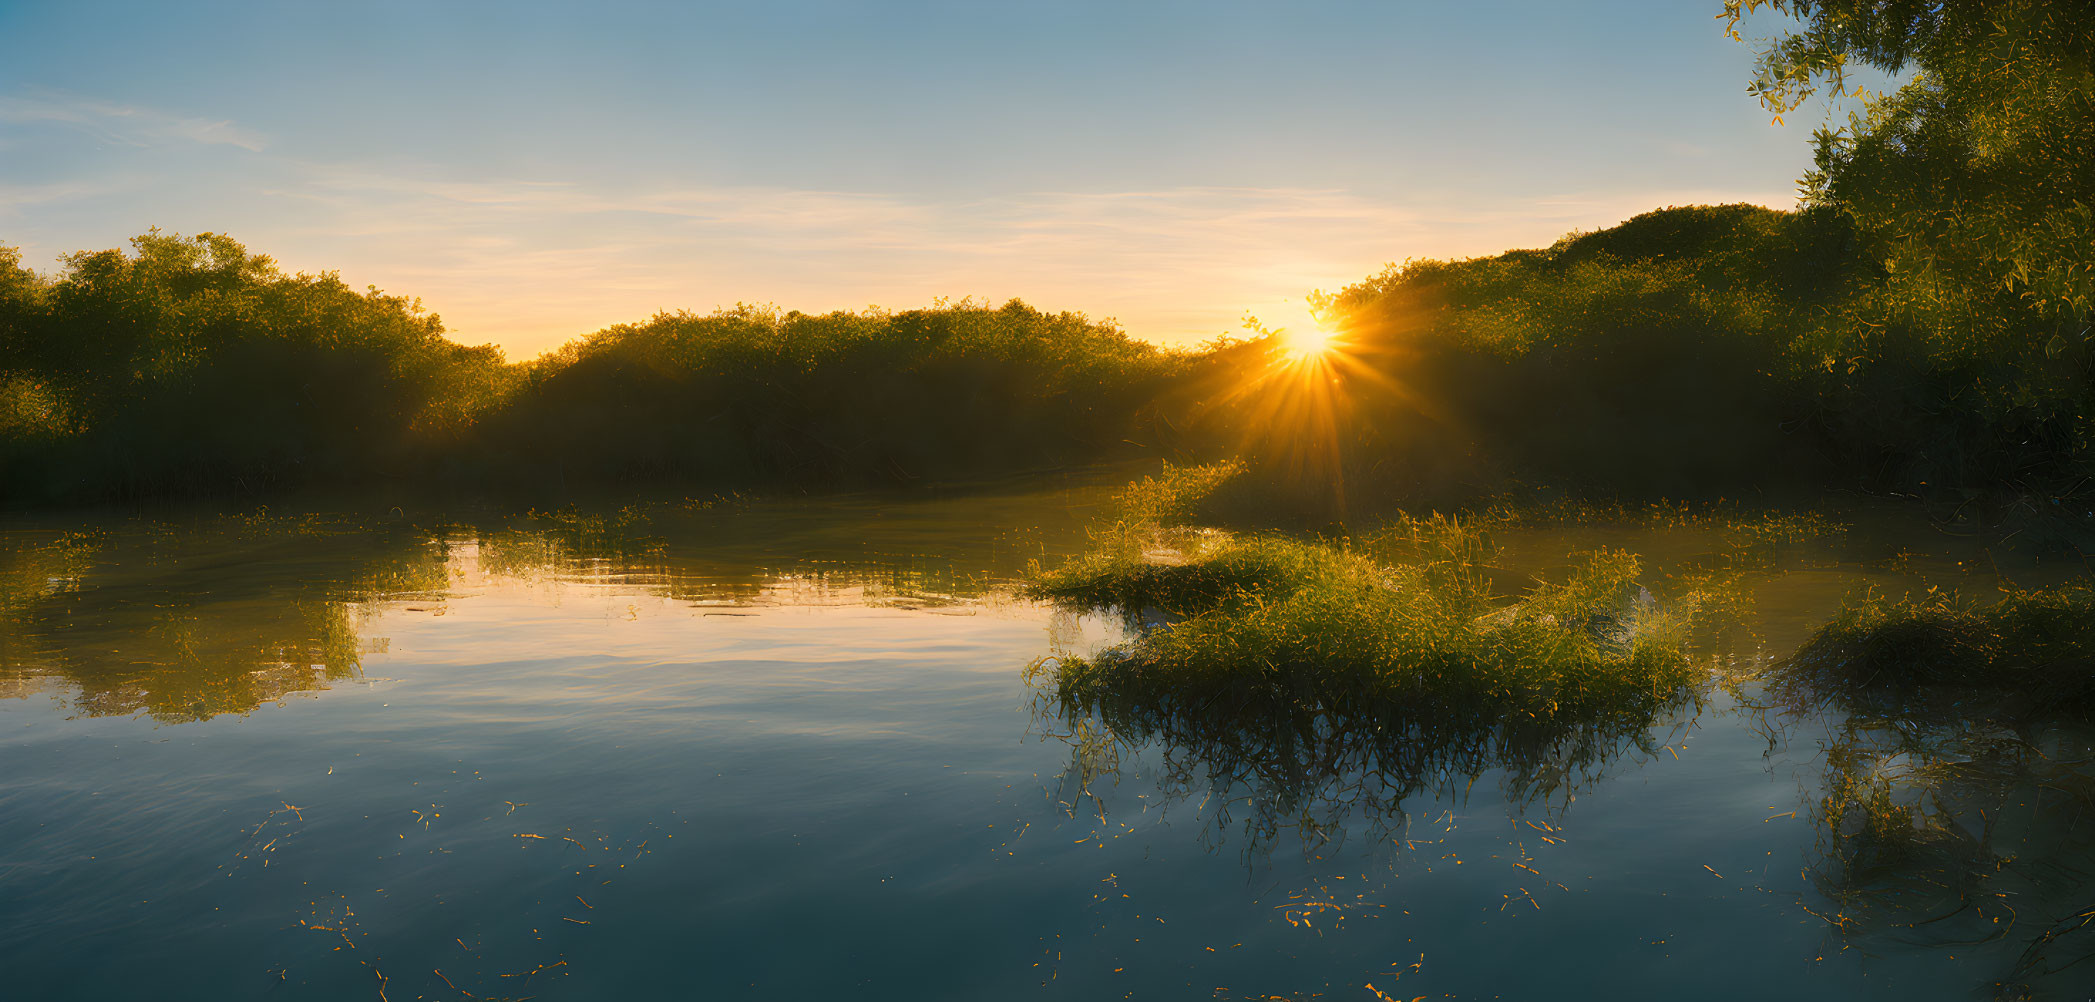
point(1305, 341)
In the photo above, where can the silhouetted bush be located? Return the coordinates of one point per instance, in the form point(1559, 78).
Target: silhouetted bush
point(753, 394)
point(1690, 351)
point(193, 365)
point(190, 365)
point(1715, 348)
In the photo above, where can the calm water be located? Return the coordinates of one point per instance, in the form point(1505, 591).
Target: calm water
point(784, 751)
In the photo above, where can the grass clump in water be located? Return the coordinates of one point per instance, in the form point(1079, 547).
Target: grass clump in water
point(1311, 685)
point(1407, 617)
point(2034, 648)
point(1959, 773)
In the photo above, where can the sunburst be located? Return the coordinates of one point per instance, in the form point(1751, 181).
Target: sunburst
point(1305, 342)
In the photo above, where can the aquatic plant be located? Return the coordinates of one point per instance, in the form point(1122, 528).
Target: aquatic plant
point(1326, 680)
point(1175, 494)
point(1282, 617)
point(1957, 800)
point(2033, 650)
point(1406, 612)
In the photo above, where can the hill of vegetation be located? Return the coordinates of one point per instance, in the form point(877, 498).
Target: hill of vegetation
point(190, 365)
point(1721, 347)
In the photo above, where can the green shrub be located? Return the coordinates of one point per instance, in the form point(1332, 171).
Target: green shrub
point(756, 395)
point(2034, 648)
point(1324, 682)
point(1410, 621)
point(191, 365)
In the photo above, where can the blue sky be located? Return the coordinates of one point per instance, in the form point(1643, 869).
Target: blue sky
point(535, 171)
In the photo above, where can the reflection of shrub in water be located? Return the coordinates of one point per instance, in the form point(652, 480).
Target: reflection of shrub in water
point(1324, 766)
point(194, 667)
point(1332, 681)
point(1955, 833)
point(672, 550)
point(1958, 800)
point(29, 574)
point(571, 542)
point(160, 625)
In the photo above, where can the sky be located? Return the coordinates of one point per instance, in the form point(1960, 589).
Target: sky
point(535, 171)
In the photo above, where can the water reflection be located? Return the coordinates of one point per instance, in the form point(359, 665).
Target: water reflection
point(695, 554)
point(1259, 766)
point(187, 624)
point(1950, 818)
point(758, 787)
point(1373, 693)
point(189, 620)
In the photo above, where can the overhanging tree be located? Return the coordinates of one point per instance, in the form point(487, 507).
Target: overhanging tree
point(1976, 178)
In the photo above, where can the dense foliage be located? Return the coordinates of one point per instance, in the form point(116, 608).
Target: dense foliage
point(1974, 180)
point(1713, 348)
point(1920, 324)
point(756, 394)
point(191, 365)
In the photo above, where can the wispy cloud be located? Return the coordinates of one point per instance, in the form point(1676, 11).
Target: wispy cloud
point(128, 124)
point(21, 196)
